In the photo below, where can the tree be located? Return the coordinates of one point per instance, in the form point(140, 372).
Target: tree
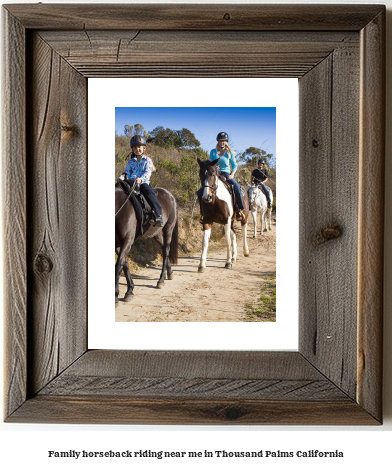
point(187, 139)
point(131, 130)
point(138, 129)
point(166, 137)
point(252, 154)
point(128, 129)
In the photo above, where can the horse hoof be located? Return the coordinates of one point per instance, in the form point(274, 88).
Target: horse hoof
point(201, 269)
point(160, 284)
point(246, 254)
point(228, 266)
point(128, 298)
point(170, 276)
point(254, 236)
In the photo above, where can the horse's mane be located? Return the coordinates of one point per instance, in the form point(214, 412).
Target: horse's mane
point(208, 164)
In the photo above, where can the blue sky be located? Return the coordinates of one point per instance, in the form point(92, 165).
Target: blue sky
point(245, 126)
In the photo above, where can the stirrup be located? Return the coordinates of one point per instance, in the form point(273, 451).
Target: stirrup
point(156, 220)
point(159, 221)
point(201, 219)
point(240, 215)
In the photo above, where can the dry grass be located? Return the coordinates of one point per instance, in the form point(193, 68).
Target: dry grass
point(264, 310)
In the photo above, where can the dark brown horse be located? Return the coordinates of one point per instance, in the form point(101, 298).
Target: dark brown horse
point(128, 230)
point(217, 206)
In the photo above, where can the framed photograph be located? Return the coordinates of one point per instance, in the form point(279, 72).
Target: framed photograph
point(337, 53)
point(266, 108)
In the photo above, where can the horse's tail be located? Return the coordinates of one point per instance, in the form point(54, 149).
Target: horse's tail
point(173, 252)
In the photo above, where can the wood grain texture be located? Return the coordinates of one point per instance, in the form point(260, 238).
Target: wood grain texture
point(57, 213)
point(329, 137)
point(193, 17)
point(14, 212)
point(207, 364)
point(192, 387)
point(195, 53)
point(208, 375)
point(101, 409)
point(371, 216)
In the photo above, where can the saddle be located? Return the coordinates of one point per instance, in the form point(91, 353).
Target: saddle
point(230, 188)
point(142, 208)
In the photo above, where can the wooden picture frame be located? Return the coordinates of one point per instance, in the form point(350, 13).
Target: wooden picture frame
point(338, 54)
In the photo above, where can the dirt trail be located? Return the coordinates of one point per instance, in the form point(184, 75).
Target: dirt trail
point(188, 296)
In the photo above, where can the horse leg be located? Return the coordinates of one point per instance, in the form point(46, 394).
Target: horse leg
point(172, 244)
point(168, 263)
point(121, 261)
point(262, 220)
point(165, 246)
point(228, 244)
point(206, 239)
point(244, 229)
point(269, 218)
point(130, 284)
point(254, 215)
point(266, 219)
point(128, 277)
point(233, 245)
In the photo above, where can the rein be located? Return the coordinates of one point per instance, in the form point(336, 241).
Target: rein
point(126, 199)
point(214, 188)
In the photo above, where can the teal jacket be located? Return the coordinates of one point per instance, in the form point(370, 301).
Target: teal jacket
point(224, 161)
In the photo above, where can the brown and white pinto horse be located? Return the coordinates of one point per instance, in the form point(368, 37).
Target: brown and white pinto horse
point(217, 206)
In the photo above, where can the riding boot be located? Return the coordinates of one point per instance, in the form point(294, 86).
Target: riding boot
point(267, 194)
point(156, 220)
point(240, 215)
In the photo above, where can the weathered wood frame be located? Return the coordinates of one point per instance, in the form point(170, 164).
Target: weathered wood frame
point(337, 52)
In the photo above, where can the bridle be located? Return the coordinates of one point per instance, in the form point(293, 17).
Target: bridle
point(255, 191)
point(214, 187)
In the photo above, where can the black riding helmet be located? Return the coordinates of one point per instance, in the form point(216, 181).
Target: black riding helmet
point(261, 161)
point(138, 140)
point(222, 136)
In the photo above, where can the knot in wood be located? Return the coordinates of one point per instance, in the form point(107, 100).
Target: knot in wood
point(227, 16)
point(43, 264)
point(315, 143)
point(233, 413)
point(68, 128)
point(328, 233)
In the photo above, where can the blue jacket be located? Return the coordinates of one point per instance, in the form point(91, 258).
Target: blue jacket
point(224, 161)
point(139, 169)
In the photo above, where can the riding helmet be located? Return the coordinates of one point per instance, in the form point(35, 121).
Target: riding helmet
point(222, 136)
point(137, 140)
point(261, 161)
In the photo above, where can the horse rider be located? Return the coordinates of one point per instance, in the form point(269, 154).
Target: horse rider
point(227, 166)
point(260, 177)
point(139, 169)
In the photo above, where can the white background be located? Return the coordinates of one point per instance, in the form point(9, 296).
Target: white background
point(366, 449)
point(104, 96)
